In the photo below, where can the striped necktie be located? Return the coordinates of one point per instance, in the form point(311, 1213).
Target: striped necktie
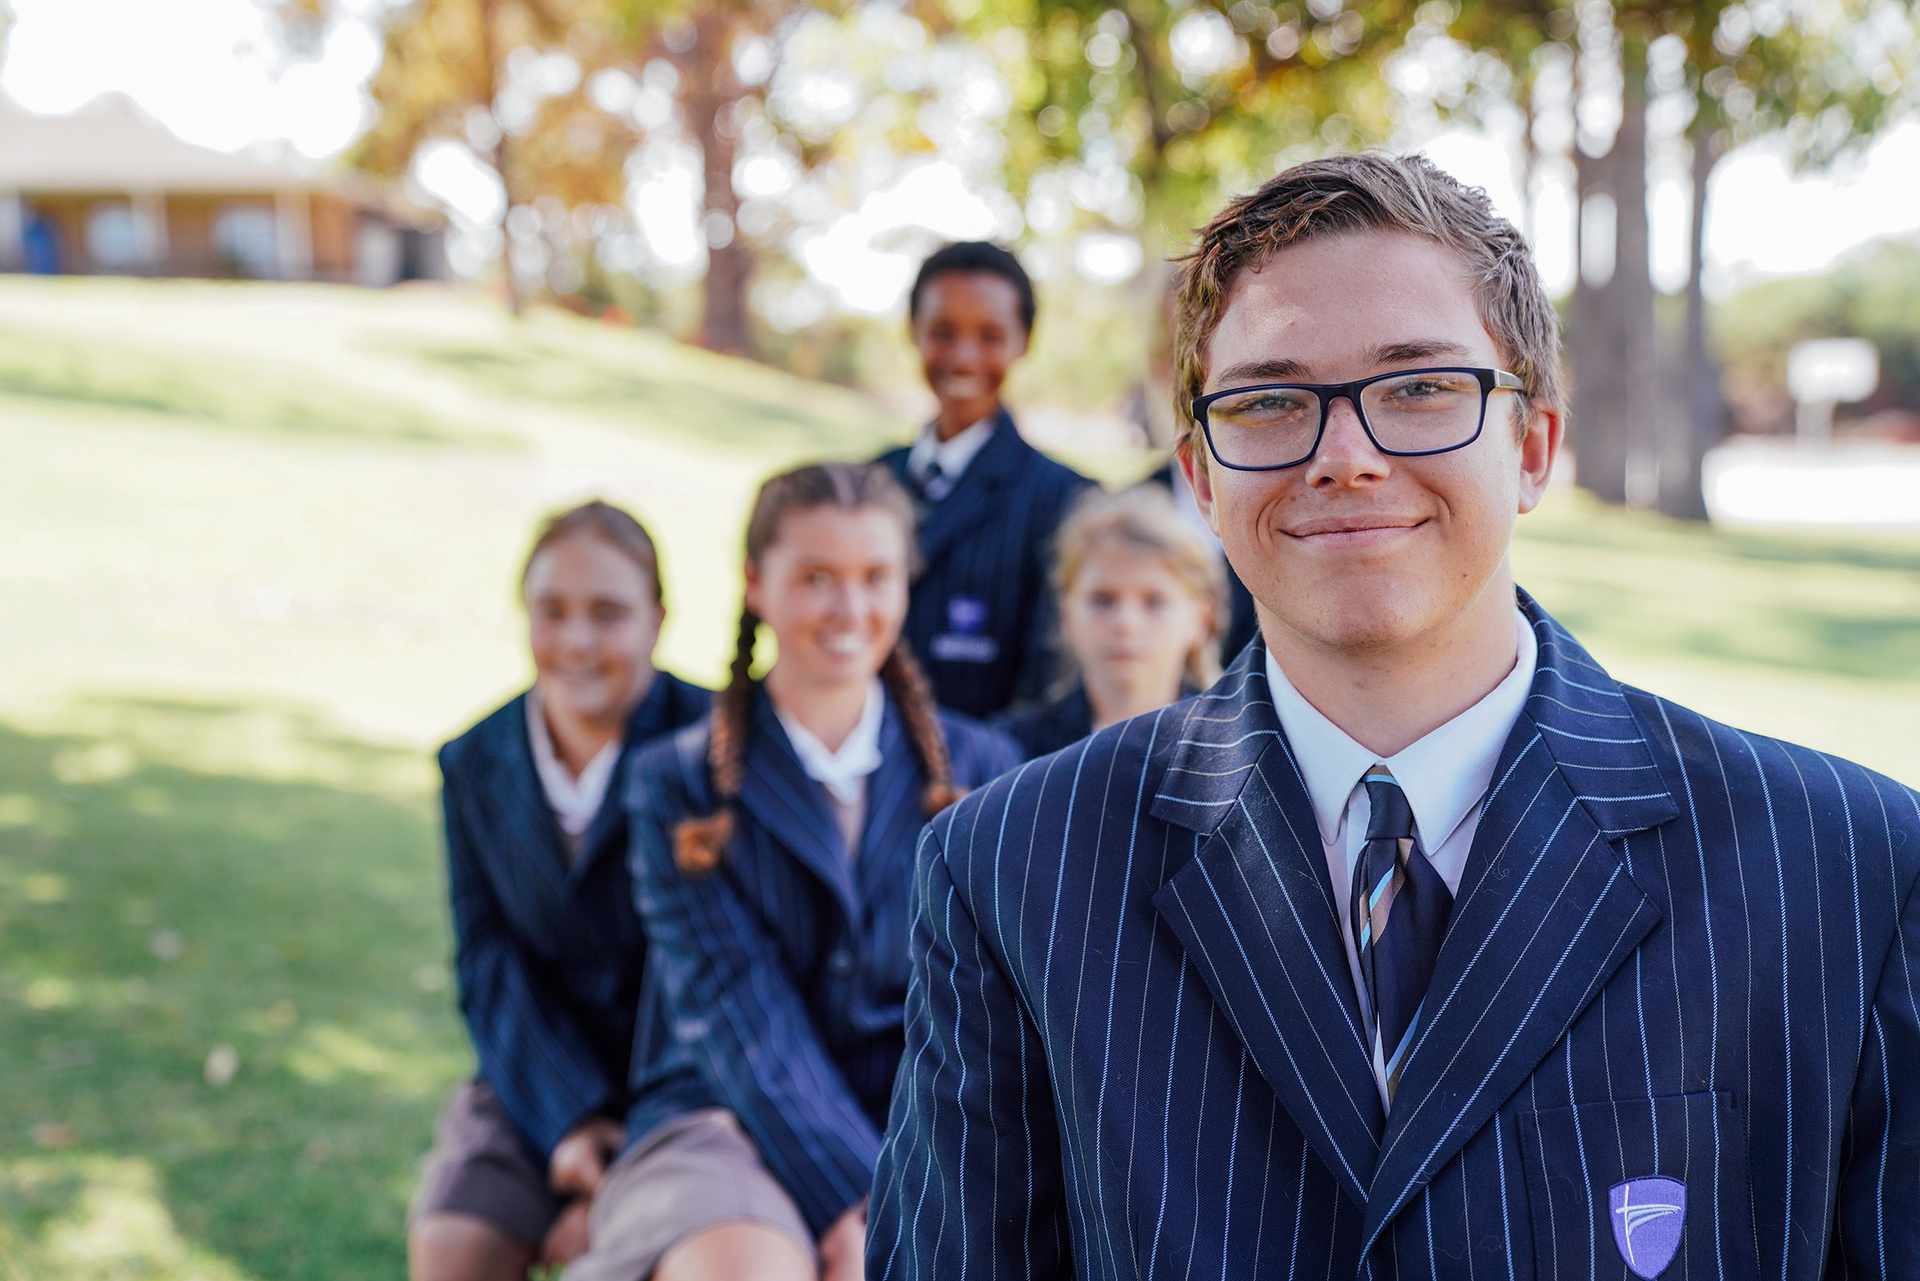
point(1400, 909)
point(933, 481)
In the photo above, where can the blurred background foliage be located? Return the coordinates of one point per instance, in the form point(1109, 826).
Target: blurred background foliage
point(1097, 135)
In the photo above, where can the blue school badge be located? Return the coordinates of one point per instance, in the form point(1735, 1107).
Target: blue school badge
point(963, 641)
point(1648, 1215)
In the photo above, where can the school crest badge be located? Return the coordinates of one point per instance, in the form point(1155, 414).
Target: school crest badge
point(1648, 1215)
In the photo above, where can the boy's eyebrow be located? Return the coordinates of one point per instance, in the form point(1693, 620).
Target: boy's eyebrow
point(1395, 353)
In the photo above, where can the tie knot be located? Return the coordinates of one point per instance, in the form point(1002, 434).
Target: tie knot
point(1389, 815)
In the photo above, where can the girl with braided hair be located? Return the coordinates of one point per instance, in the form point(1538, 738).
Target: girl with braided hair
point(773, 853)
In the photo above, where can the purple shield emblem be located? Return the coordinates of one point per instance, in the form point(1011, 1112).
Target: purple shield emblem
point(1648, 1215)
point(966, 615)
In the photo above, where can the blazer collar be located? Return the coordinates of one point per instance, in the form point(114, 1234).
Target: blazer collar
point(999, 462)
point(1546, 912)
point(777, 792)
point(652, 718)
point(1256, 911)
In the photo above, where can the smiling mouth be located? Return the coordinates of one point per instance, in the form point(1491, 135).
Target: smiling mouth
point(847, 645)
point(1361, 530)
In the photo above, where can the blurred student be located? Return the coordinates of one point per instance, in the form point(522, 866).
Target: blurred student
point(548, 949)
point(1142, 594)
point(1241, 622)
point(989, 503)
point(773, 849)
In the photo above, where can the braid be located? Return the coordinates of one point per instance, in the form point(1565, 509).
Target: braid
point(908, 685)
point(699, 843)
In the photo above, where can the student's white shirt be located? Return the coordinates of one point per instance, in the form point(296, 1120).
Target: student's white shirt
point(843, 773)
point(1445, 776)
point(574, 801)
point(954, 456)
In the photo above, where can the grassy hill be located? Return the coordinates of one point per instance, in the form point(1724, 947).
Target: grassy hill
point(257, 548)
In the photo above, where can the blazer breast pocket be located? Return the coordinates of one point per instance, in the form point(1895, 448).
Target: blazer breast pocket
point(1641, 1188)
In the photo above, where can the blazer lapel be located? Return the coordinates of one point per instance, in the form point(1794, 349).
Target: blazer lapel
point(650, 719)
point(895, 813)
point(526, 845)
point(792, 807)
point(1546, 913)
point(1255, 910)
point(972, 501)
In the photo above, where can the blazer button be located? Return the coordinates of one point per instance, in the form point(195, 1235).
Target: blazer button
point(841, 963)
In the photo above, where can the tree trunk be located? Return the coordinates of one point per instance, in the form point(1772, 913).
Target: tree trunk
point(1699, 390)
point(713, 93)
point(1616, 375)
point(1598, 449)
point(499, 159)
point(1638, 365)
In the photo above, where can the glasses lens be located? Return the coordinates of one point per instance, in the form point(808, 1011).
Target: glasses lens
point(1266, 427)
point(1416, 412)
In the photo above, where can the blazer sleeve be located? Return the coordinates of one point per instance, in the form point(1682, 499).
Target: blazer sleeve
point(969, 1181)
point(1881, 1157)
point(735, 1009)
point(531, 1051)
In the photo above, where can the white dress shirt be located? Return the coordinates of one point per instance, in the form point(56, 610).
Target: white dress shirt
point(843, 773)
point(954, 456)
point(574, 801)
point(1445, 776)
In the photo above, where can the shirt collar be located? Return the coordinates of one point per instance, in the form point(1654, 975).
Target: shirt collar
point(843, 772)
point(1444, 774)
point(574, 801)
point(955, 455)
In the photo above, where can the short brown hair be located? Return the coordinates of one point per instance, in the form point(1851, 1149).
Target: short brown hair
point(612, 525)
point(1372, 192)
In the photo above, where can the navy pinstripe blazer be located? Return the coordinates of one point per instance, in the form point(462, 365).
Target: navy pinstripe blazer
point(1678, 950)
point(785, 970)
point(980, 619)
point(548, 956)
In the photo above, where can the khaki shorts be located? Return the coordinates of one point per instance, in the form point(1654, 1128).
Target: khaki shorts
point(478, 1167)
point(695, 1172)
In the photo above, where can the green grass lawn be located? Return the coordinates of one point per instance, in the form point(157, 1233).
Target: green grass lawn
point(257, 547)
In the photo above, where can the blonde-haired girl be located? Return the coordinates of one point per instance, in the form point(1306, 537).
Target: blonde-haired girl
point(1142, 598)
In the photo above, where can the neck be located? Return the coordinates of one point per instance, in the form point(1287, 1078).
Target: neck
point(1388, 697)
point(829, 712)
point(1113, 701)
point(955, 419)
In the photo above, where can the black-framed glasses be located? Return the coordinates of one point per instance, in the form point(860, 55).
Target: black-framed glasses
point(1407, 414)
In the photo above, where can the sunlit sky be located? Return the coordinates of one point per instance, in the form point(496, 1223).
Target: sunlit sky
point(212, 71)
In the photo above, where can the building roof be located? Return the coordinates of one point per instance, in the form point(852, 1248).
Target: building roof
point(111, 145)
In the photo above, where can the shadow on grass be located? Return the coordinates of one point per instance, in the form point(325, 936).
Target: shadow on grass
point(705, 408)
point(205, 394)
point(149, 914)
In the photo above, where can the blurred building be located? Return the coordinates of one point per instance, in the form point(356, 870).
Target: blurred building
point(108, 190)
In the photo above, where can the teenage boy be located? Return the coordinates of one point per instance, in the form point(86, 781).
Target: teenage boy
point(1418, 947)
point(980, 621)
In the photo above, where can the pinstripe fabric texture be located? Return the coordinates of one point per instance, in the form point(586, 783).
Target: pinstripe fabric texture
point(1678, 950)
point(549, 958)
point(785, 970)
point(981, 619)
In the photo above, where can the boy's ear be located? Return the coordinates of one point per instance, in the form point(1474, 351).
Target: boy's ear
point(1539, 448)
point(1192, 461)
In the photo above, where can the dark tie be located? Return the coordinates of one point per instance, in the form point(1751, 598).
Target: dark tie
point(933, 481)
point(1400, 909)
